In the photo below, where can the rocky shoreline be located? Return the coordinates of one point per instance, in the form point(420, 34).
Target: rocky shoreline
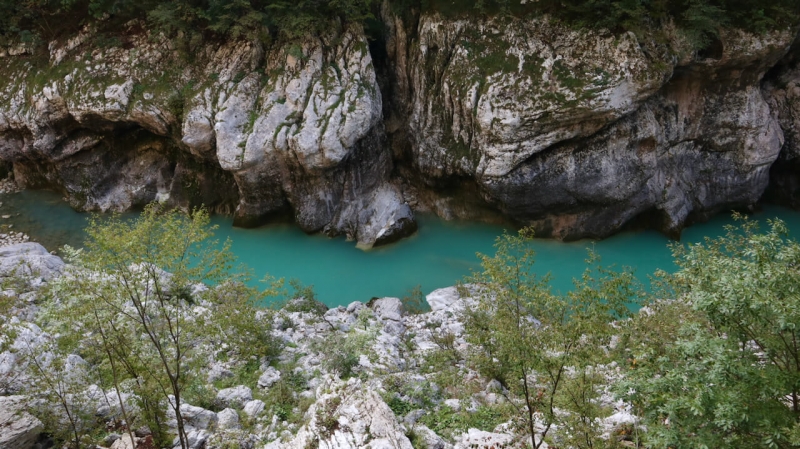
point(7, 234)
point(392, 369)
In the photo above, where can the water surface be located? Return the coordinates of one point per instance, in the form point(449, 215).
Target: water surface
point(438, 255)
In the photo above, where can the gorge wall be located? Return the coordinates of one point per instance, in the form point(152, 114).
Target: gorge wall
point(577, 133)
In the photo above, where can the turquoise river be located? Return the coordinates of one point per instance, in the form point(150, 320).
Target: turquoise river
point(439, 255)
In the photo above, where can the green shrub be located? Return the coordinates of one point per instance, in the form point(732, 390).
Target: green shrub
point(719, 367)
point(415, 302)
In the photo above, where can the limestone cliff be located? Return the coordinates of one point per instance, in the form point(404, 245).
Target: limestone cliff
point(782, 89)
point(239, 127)
point(579, 132)
point(576, 132)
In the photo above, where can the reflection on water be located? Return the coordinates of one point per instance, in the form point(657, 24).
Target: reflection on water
point(438, 255)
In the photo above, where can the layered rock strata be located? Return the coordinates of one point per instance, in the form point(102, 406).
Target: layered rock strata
point(782, 90)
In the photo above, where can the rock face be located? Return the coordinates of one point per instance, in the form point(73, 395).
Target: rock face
point(579, 132)
point(575, 132)
point(782, 90)
point(244, 129)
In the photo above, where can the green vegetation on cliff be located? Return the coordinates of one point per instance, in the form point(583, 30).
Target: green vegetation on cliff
point(194, 20)
point(699, 19)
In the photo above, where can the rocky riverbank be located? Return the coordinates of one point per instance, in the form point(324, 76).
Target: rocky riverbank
point(390, 396)
point(8, 236)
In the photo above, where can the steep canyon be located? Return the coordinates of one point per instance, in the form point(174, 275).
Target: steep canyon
point(576, 132)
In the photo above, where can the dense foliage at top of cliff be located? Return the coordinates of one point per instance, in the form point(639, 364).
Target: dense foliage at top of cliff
point(42, 20)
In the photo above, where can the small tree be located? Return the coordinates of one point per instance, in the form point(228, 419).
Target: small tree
point(57, 386)
point(545, 348)
point(154, 297)
point(723, 369)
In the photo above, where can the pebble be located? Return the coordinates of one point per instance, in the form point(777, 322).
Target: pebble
point(8, 186)
point(9, 237)
point(12, 238)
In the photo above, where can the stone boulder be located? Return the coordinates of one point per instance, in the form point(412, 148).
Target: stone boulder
point(198, 417)
point(228, 419)
point(235, 396)
point(353, 416)
point(429, 438)
point(254, 408)
point(18, 428)
point(479, 439)
point(269, 377)
point(445, 299)
point(29, 260)
point(390, 312)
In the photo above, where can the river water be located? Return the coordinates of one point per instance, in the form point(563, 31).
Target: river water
point(440, 254)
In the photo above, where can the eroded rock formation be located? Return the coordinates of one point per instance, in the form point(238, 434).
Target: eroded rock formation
point(243, 129)
point(576, 132)
point(580, 132)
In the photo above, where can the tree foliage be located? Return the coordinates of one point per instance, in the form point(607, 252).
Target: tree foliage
point(720, 366)
point(546, 348)
point(700, 20)
point(41, 20)
point(149, 302)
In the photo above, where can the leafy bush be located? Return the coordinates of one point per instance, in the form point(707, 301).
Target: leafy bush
point(544, 347)
point(415, 302)
point(342, 352)
point(296, 298)
point(135, 307)
point(448, 421)
point(42, 20)
point(726, 373)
